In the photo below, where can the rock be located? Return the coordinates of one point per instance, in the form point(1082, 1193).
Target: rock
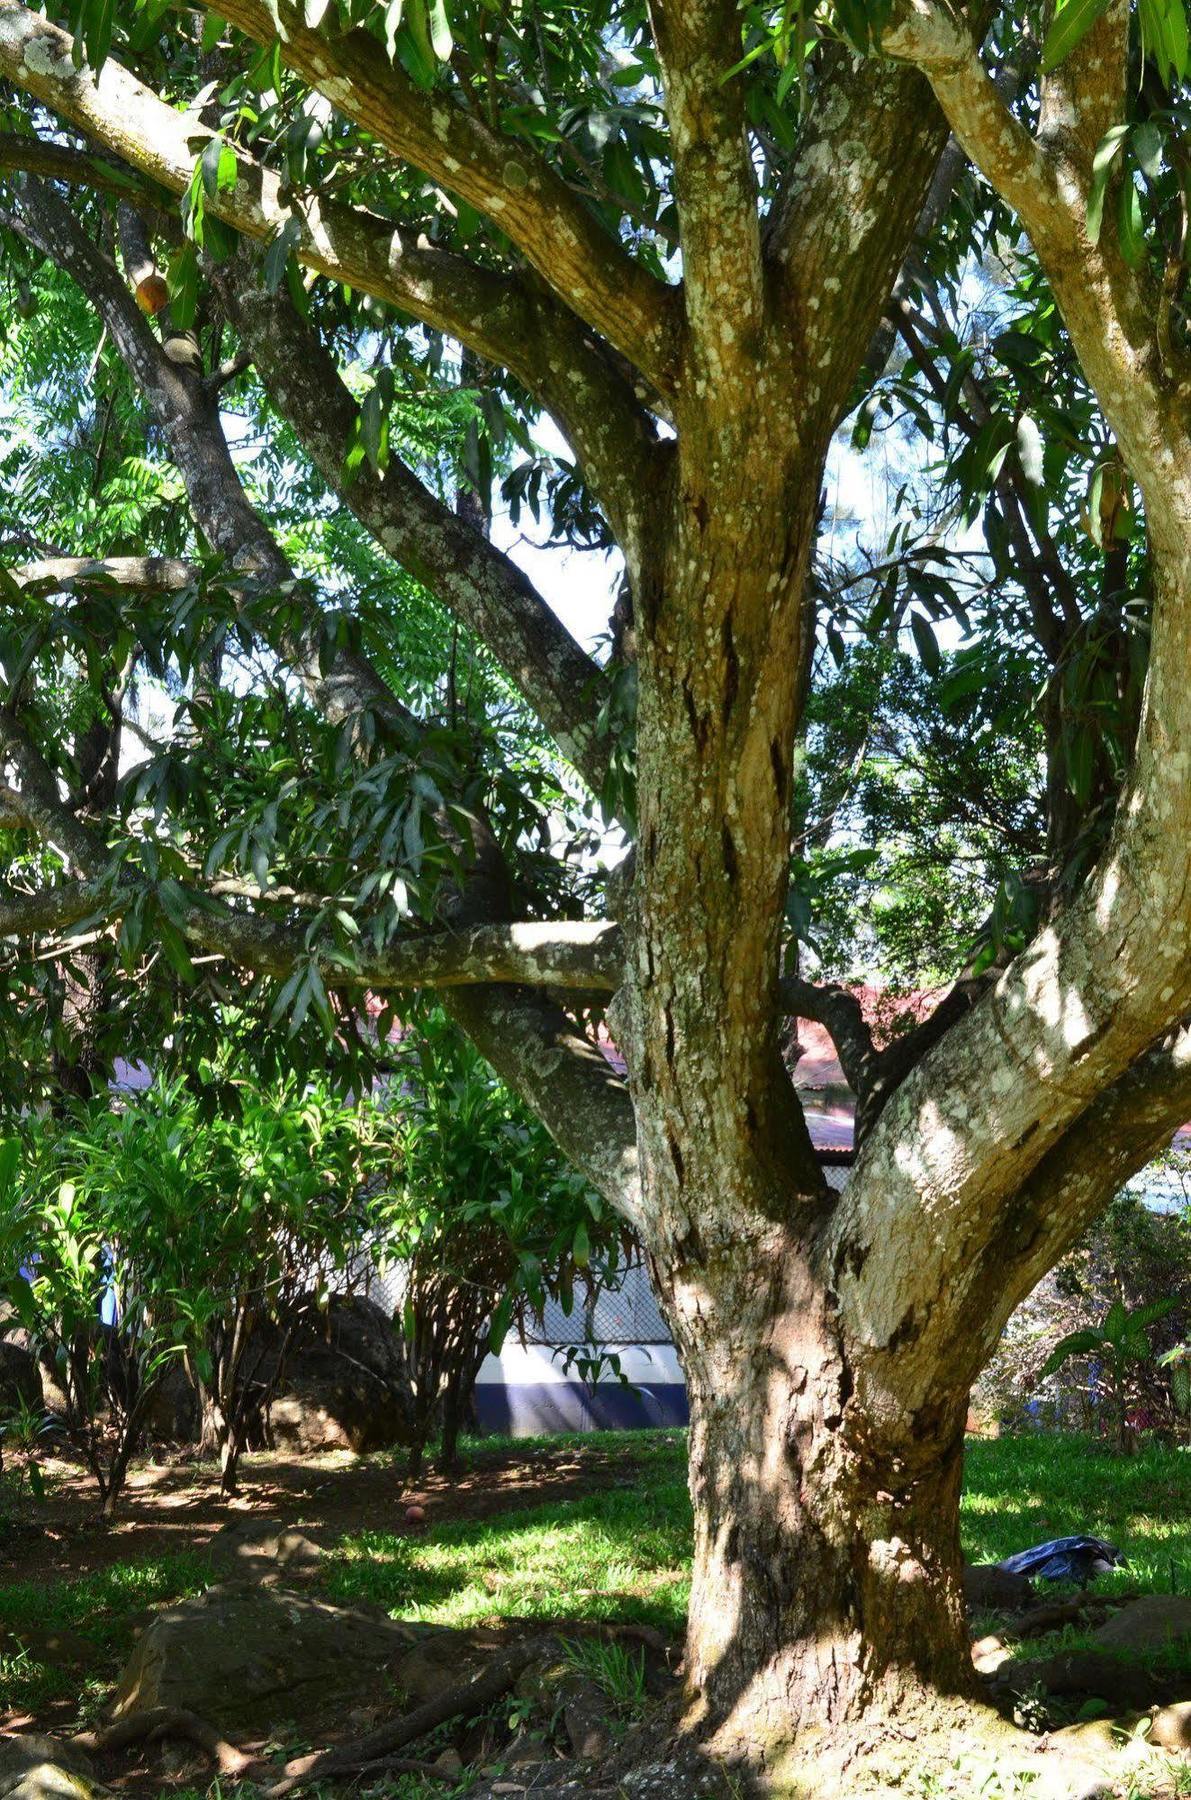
point(345, 1384)
point(267, 1549)
point(450, 1762)
point(989, 1588)
point(1170, 1729)
point(246, 1654)
point(172, 1412)
point(1123, 1685)
point(20, 1382)
point(440, 1660)
point(524, 1749)
point(988, 1653)
point(588, 1727)
point(1149, 1623)
point(33, 1767)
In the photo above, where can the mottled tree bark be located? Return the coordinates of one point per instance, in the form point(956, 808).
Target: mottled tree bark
point(827, 1577)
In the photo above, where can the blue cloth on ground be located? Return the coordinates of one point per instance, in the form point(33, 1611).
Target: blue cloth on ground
point(1065, 1559)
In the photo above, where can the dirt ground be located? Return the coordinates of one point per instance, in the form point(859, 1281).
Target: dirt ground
point(174, 1503)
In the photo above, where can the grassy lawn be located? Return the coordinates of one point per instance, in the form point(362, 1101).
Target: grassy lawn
point(621, 1551)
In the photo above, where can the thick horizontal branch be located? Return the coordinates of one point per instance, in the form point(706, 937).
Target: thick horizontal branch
point(507, 181)
point(575, 957)
point(80, 168)
point(51, 911)
point(142, 574)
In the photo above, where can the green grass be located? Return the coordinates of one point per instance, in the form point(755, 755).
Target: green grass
point(1021, 1490)
point(622, 1554)
point(104, 1607)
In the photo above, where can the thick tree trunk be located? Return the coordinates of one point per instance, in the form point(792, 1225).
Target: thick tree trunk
point(827, 1589)
point(827, 1580)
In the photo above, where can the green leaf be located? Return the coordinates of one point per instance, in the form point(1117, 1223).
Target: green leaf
point(1146, 145)
point(278, 253)
point(1072, 22)
point(1116, 1321)
point(393, 14)
point(1164, 36)
point(1029, 449)
point(1078, 1343)
point(10, 1156)
point(1130, 233)
point(501, 1320)
point(927, 643)
point(1144, 1316)
point(1106, 151)
point(183, 285)
point(441, 40)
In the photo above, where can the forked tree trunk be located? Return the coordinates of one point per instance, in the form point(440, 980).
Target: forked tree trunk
point(827, 1577)
point(827, 1585)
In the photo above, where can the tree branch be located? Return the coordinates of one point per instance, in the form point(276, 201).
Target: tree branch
point(698, 42)
point(495, 314)
point(142, 574)
point(842, 1016)
point(1130, 1124)
point(506, 181)
point(473, 579)
point(836, 245)
point(1110, 310)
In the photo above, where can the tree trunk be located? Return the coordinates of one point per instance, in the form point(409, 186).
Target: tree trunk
point(827, 1577)
point(827, 1586)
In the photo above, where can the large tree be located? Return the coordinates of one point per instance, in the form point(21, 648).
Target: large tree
point(674, 229)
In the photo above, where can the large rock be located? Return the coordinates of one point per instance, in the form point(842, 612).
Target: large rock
point(33, 1767)
point(172, 1413)
point(20, 1382)
point(1170, 1729)
point(250, 1655)
point(51, 1395)
point(345, 1384)
point(1149, 1623)
point(267, 1549)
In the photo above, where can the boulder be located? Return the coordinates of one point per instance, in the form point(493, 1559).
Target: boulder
point(51, 1395)
point(440, 1660)
point(244, 1654)
point(34, 1767)
point(990, 1588)
point(1149, 1623)
point(267, 1549)
point(1170, 1728)
point(172, 1413)
point(345, 1384)
point(20, 1382)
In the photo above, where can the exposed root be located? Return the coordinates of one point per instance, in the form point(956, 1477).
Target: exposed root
point(157, 1722)
point(462, 1702)
point(1053, 1615)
